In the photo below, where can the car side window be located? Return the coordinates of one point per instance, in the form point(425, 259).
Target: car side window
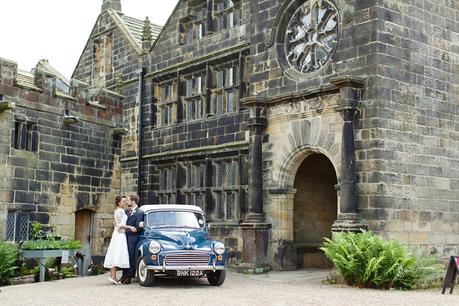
point(200, 219)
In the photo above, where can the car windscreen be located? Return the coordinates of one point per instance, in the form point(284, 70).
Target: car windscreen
point(175, 219)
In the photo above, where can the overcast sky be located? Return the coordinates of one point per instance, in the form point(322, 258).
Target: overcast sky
point(57, 30)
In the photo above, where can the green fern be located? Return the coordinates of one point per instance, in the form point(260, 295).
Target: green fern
point(367, 260)
point(8, 257)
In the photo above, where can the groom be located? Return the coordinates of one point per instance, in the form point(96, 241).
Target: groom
point(135, 216)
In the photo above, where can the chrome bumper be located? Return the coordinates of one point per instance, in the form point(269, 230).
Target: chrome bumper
point(169, 268)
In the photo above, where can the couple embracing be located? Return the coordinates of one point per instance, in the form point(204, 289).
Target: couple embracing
point(121, 251)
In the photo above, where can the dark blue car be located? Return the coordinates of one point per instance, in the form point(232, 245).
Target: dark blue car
point(175, 242)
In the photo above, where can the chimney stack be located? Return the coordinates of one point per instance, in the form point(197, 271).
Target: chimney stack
point(111, 4)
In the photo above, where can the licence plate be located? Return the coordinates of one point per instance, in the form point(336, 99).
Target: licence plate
point(190, 273)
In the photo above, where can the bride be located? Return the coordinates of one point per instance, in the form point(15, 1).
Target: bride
point(117, 252)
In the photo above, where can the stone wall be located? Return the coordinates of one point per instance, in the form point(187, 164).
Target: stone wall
point(122, 78)
point(405, 134)
point(7, 75)
point(409, 140)
point(72, 165)
point(207, 141)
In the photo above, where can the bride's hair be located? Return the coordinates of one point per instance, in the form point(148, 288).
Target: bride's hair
point(118, 199)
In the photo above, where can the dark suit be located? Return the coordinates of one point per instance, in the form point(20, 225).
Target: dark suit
point(134, 218)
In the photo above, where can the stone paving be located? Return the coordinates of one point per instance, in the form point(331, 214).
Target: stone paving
point(302, 287)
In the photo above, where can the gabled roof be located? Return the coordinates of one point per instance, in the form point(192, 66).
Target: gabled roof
point(43, 64)
point(135, 28)
point(131, 27)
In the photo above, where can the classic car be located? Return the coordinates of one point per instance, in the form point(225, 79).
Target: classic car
point(174, 242)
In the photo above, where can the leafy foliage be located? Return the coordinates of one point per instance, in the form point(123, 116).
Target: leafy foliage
point(51, 244)
point(39, 231)
point(8, 256)
point(367, 260)
point(68, 271)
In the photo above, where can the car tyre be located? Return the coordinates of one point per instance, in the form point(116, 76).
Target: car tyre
point(216, 278)
point(146, 277)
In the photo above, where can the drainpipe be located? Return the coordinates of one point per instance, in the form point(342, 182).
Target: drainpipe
point(141, 74)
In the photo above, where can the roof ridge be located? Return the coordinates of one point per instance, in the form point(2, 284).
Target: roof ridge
point(135, 27)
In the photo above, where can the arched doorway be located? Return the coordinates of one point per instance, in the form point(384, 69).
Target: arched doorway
point(315, 209)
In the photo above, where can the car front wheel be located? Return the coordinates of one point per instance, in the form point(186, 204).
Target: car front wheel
point(146, 277)
point(216, 278)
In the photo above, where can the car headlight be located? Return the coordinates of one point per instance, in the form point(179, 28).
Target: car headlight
point(219, 248)
point(154, 247)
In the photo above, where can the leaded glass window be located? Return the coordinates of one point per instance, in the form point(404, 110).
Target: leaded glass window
point(194, 96)
point(219, 205)
point(220, 174)
point(17, 228)
point(229, 102)
point(11, 226)
point(229, 205)
point(166, 96)
point(229, 174)
point(225, 92)
point(193, 26)
point(219, 104)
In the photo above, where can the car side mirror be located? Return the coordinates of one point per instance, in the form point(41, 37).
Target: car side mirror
point(141, 224)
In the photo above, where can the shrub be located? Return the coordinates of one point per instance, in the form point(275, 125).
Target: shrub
point(428, 272)
point(367, 260)
point(8, 256)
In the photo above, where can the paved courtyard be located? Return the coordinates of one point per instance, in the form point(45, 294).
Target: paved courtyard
point(276, 288)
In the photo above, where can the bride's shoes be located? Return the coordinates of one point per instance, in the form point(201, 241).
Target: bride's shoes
point(114, 281)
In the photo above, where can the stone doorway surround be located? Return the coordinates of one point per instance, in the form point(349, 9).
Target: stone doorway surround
point(292, 142)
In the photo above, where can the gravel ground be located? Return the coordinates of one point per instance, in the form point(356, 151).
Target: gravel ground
point(276, 288)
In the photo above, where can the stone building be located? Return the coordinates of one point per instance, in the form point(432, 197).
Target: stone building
point(59, 155)
point(284, 120)
point(61, 141)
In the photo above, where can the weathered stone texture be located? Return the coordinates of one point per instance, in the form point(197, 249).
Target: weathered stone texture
point(408, 147)
point(72, 167)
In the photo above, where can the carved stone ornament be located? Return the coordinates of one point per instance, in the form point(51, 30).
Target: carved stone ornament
point(312, 35)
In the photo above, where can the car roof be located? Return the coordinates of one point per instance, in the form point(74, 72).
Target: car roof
point(181, 207)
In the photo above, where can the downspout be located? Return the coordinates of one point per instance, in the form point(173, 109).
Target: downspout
point(141, 74)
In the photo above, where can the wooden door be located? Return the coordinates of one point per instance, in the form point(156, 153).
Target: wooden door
point(83, 228)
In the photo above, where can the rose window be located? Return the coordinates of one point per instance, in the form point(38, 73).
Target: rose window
point(312, 35)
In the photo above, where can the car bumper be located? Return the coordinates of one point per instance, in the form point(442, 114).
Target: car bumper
point(175, 268)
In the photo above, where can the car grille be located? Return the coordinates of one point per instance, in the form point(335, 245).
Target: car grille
point(187, 259)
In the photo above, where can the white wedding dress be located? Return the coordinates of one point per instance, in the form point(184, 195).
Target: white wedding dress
point(117, 252)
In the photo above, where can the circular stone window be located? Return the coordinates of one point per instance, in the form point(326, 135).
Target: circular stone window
point(307, 37)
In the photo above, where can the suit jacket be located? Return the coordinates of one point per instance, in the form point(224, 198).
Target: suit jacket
point(133, 220)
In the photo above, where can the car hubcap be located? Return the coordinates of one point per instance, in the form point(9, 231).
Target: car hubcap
point(142, 270)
